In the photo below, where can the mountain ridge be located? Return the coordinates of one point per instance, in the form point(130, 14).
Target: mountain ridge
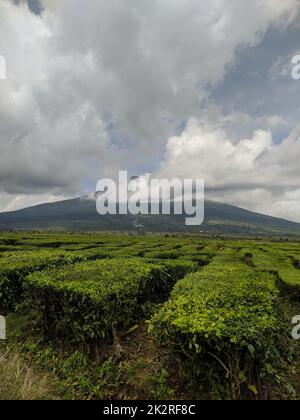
point(80, 214)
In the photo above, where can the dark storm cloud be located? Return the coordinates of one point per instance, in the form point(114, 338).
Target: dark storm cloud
point(34, 5)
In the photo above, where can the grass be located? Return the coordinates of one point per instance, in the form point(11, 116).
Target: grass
point(144, 370)
point(20, 382)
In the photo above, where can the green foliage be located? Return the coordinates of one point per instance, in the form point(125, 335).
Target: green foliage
point(222, 320)
point(284, 262)
point(16, 265)
point(214, 302)
point(163, 254)
point(88, 300)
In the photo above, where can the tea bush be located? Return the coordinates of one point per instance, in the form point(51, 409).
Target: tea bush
point(88, 300)
point(15, 266)
point(223, 320)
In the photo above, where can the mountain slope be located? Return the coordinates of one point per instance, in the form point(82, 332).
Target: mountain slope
point(80, 214)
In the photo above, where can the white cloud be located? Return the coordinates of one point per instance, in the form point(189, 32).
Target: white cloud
point(28, 200)
point(205, 150)
point(253, 173)
point(137, 68)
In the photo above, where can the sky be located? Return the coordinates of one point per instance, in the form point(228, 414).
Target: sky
point(179, 88)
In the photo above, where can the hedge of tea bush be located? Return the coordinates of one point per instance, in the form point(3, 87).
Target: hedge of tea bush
point(285, 263)
point(86, 301)
point(223, 321)
point(16, 265)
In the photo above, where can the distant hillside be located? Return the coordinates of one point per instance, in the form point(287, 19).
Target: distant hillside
point(80, 214)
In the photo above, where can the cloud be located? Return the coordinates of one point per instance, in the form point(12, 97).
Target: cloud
point(254, 173)
point(26, 200)
point(35, 6)
point(100, 86)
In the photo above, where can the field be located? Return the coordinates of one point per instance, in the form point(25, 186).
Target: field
point(148, 317)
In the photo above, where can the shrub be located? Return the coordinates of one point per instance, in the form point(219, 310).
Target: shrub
point(222, 320)
point(15, 266)
point(89, 300)
point(163, 254)
point(284, 263)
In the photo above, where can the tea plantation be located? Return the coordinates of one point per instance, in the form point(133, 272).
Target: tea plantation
point(158, 316)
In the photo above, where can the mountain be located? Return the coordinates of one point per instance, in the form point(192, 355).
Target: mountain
point(80, 214)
